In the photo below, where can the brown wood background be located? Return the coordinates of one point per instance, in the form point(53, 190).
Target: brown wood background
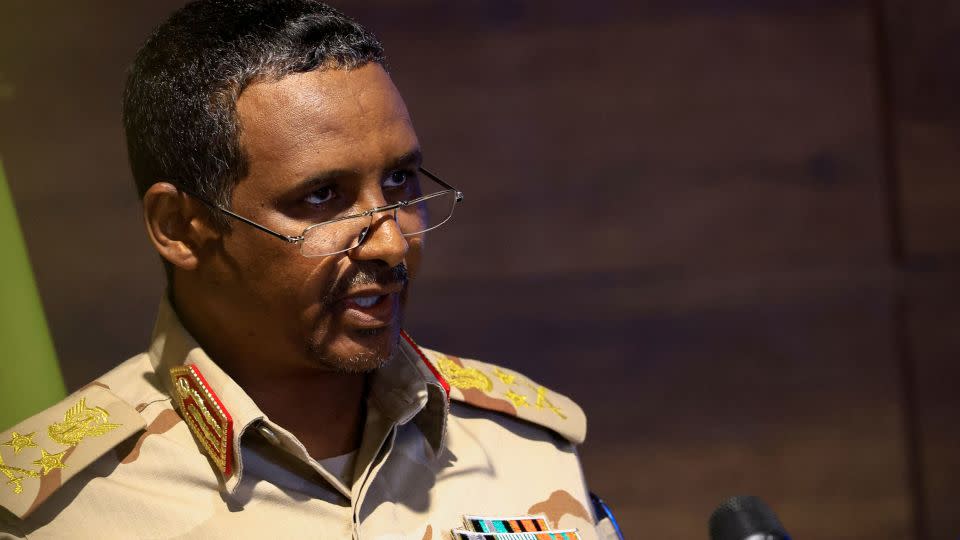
point(730, 230)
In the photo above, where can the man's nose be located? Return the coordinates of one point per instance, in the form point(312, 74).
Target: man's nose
point(382, 240)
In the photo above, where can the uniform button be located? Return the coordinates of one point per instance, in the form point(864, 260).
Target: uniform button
point(268, 434)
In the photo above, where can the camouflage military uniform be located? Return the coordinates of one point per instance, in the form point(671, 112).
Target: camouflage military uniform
point(166, 445)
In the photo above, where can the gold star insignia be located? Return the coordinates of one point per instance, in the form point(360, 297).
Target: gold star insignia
point(542, 402)
point(19, 442)
point(50, 462)
point(519, 400)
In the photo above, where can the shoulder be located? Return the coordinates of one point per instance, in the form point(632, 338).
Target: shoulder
point(496, 388)
point(41, 453)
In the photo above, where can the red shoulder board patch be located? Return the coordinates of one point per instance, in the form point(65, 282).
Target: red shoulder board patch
point(209, 421)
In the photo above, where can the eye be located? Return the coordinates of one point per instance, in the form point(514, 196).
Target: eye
point(319, 196)
point(397, 179)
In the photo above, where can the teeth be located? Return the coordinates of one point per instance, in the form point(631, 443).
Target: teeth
point(365, 301)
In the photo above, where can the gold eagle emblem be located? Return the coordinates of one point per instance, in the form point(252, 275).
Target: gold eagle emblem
point(80, 422)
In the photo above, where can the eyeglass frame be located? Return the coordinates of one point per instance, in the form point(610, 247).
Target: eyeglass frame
point(393, 206)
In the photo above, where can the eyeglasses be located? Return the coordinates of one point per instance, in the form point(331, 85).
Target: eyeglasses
point(414, 217)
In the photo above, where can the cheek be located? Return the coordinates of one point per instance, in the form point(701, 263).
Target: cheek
point(281, 278)
point(315, 277)
point(310, 282)
point(414, 256)
point(264, 260)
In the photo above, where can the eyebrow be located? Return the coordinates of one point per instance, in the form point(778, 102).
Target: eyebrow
point(412, 158)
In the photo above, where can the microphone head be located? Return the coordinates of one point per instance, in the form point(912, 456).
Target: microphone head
point(745, 518)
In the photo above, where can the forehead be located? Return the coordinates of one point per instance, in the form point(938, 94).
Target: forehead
point(348, 119)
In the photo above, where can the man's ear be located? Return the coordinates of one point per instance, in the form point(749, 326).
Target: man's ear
point(176, 224)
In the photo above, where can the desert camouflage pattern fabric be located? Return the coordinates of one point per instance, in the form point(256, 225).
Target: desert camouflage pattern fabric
point(38, 456)
point(117, 460)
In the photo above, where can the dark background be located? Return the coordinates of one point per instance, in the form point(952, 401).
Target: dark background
point(729, 229)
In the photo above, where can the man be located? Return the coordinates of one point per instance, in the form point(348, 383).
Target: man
point(282, 186)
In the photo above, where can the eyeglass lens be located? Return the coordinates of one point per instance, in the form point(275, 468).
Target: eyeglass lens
point(346, 234)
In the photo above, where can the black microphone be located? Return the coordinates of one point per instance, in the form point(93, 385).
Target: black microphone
point(745, 518)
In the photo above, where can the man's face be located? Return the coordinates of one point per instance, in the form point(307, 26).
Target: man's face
point(318, 143)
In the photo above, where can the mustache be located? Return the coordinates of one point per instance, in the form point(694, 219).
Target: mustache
point(367, 273)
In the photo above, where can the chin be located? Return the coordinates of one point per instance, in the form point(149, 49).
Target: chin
point(356, 351)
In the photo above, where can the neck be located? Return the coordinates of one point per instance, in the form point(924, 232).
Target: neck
point(325, 410)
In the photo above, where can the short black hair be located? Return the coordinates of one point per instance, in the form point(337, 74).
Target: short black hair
point(179, 104)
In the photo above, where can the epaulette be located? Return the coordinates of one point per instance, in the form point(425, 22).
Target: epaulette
point(492, 387)
point(40, 454)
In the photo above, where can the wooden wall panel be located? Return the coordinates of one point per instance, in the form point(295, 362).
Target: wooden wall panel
point(933, 310)
point(924, 41)
point(678, 144)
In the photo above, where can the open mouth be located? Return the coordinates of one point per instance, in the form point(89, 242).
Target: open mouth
point(367, 301)
point(370, 311)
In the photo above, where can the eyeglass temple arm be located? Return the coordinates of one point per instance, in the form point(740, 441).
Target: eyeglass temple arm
point(437, 179)
point(254, 224)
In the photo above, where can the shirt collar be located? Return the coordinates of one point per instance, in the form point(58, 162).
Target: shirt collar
point(406, 388)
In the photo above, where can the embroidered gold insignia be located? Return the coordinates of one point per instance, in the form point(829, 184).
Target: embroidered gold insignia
point(507, 378)
point(80, 422)
point(512, 380)
point(543, 402)
point(463, 377)
point(204, 413)
point(15, 476)
point(18, 442)
point(519, 400)
point(50, 461)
